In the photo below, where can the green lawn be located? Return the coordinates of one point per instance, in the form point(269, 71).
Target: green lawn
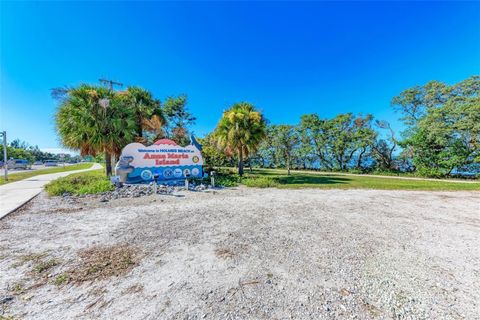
point(31, 173)
point(89, 182)
point(279, 178)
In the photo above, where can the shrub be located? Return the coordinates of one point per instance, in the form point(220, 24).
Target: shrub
point(81, 183)
point(430, 172)
point(227, 180)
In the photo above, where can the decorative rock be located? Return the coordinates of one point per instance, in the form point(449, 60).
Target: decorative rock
point(6, 299)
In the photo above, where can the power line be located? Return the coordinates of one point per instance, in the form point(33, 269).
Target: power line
point(110, 83)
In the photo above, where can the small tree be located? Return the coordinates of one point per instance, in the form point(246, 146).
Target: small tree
point(178, 119)
point(285, 140)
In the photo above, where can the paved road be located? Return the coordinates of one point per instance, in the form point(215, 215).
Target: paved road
point(34, 167)
point(14, 195)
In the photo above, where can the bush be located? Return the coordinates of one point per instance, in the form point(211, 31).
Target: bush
point(227, 180)
point(91, 182)
point(260, 182)
point(430, 172)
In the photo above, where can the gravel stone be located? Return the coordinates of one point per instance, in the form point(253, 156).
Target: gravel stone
point(246, 253)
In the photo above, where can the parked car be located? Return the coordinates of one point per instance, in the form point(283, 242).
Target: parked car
point(18, 164)
point(51, 163)
point(38, 163)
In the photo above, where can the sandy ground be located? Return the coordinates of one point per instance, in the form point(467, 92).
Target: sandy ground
point(252, 254)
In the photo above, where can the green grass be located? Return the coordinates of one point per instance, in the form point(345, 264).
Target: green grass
point(264, 178)
point(12, 177)
point(89, 182)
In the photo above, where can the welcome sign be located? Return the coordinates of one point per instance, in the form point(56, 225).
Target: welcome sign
point(165, 160)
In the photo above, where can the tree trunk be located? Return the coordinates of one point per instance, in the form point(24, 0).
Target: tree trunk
point(359, 160)
point(139, 129)
point(240, 163)
point(250, 165)
point(108, 163)
point(288, 166)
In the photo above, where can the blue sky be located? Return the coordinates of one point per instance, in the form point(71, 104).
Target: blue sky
point(287, 58)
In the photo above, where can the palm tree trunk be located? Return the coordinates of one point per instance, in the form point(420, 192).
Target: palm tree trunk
point(240, 162)
point(108, 163)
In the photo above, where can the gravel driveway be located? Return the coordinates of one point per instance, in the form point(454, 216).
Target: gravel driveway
point(249, 254)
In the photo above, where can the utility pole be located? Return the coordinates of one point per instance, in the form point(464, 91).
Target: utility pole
point(110, 83)
point(5, 160)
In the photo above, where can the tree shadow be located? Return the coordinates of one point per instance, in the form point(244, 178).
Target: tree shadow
point(310, 179)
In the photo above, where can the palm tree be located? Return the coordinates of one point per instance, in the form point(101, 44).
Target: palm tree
point(240, 131)
point(93, 120)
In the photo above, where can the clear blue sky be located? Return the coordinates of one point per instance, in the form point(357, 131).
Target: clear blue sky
point(288, 59)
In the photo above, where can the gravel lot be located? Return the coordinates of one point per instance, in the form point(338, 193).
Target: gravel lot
point(250, 254)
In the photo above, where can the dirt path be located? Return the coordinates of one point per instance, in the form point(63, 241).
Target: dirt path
point(250, 254)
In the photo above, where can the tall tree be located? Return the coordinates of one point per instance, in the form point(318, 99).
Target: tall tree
point(94, 120)
point(266, 152)
point(314, 136)
point(336, 141)
point(445, 135)
point(240, 131)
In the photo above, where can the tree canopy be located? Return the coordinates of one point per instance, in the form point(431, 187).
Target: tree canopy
point(443, 125)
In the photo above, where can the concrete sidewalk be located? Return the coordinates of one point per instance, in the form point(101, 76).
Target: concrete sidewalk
point(14, 195)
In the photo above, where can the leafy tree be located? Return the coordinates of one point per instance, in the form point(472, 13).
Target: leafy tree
point(19, 144)
point(336, 141)
point(266, 152)
point(414, 102)
point(364, 137)
point(240, 131)
point(384, 149)
point(94, 119)
point(178, 119)
point(304, 156)
point(211, 155)
point(149, 116)
point(314, 136)
point(445, 134)
point(16, 153)
point(285, 139)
